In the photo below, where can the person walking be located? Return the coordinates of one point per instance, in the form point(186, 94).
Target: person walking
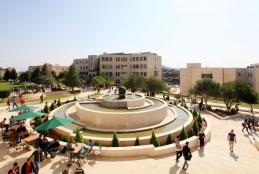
point(28, 167)
point(244, 124)
point(232, 139)
point(201, 138)
point(187, 155)
point(41, 98)
point(178, 149)
point(67, 170)
point(14, 169)
point(37, 154)
point(249, 125)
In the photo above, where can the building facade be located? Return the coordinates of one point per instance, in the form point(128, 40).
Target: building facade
point(194, 72)
point(118, 66)
point(56, 68)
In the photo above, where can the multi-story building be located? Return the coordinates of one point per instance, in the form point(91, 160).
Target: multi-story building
point(253, 76)
point(86, 67)
point(194, 72)
point(56, 68)
point(119, 66)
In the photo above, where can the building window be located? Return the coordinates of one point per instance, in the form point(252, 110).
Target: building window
point(207, 76)
point(155, 73)
point(145, 74)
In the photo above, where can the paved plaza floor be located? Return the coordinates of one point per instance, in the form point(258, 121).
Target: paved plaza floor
point(216, 157)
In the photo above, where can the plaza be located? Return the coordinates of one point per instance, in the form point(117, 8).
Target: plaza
point(216, 157)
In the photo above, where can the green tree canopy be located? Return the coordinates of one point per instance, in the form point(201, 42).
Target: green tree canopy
point(72, 78)
point(98, 82)
point(46, 76)
point(154, 85)
point(229, 94)
point(36, 76)
point(134, 82)
point(205, 88)
point(14, 75)
point(7, 75)
point(25, 76)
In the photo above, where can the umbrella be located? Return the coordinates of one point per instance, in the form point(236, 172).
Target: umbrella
point(23, 108)
point(53, 123)
point(29, 115)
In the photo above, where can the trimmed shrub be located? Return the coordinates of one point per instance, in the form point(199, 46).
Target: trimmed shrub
point(154, 139)
point(115, 140)
point(194, 113)
point(46, 108)
point(183, 135)
point(79, 137)
point(137, 143)
point(190, 133)
point(4, 93)
point(209, 108)
point(38, 121)
point(175, 103)
point(52, 106)
point(195, 127)
point(59, 102)
point(64, 138)
point(199, 120)
point(169, 139)
point(97, 143)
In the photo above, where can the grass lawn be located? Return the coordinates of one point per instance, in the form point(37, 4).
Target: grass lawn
point(9, 86)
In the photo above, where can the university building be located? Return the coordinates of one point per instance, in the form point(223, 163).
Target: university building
point(118, 66)
point(194, 72)
point(56, 68)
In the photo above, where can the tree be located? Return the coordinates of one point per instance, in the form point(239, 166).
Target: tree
point(183, 135)
point(199, 120)
point(72, 78)
point(137, 143)
point(97, 82)
point(115, 140)
point(79, 137)
point(229, 94)
point(205, 88)
point(154, 139)
point(154, 85)
point(194, 113)
point(7, 75)
point(36, 76)
point(54, 75)
point(14, 75)
point(134, 82)
point(251, 98)
point(169, 139)
point(46, 76)
point(25, 76)
point(62, 75)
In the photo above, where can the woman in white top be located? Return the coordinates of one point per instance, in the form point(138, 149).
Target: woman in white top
point(178, 148)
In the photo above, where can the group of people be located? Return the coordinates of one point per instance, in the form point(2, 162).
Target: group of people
point(248, 125)
point(14, 102)
point(185, 151)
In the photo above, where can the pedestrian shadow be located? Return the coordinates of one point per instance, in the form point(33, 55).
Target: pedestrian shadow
point(174, 169)
point(234, 156)
point(201, 152)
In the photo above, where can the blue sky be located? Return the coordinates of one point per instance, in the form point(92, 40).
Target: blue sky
point(213, 32)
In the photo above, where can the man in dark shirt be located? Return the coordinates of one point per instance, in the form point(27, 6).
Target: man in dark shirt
point(187, 155)
point(232, 139)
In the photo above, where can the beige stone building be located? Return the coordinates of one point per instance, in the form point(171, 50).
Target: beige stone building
point(253, 76)
point(119, 66)
point(86, 67)
point(194, 72)
point(56, 68)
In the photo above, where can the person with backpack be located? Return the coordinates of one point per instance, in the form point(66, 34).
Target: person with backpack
point(187, 155)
